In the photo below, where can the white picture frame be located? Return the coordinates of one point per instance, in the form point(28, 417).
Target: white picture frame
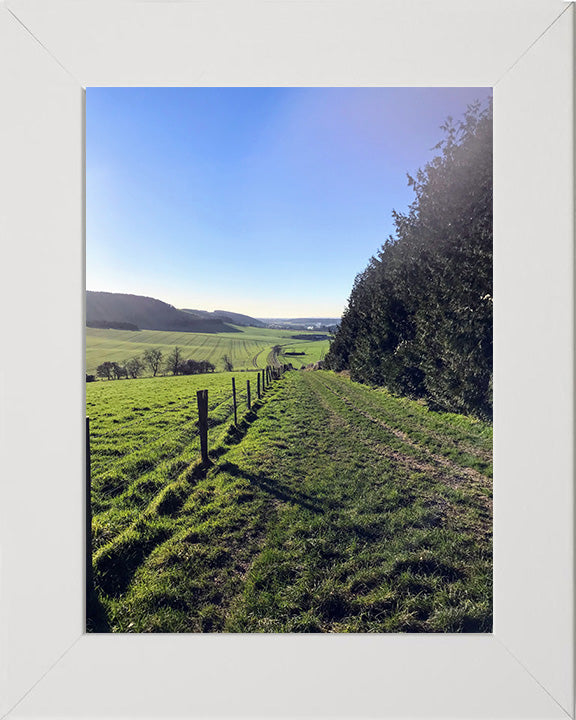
point(50, 51)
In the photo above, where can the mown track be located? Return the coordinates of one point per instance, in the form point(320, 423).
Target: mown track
point(436, 461)
point(406, 453)
point(255, 358)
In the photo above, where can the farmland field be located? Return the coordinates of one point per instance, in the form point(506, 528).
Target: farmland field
point(247, 349)
point(332, 507)
point(143, 434)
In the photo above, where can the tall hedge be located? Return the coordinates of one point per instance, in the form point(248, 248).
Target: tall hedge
point(419, 318)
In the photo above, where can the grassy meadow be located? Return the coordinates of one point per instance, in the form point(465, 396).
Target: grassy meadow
point(248, 348)
point(330, 507)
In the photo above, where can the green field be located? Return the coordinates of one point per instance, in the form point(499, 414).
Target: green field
point(332, 507)
point(248, 348)
point(143, 435)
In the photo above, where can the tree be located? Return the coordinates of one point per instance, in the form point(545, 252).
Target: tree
point(193, 367)
point(419, 318)
point(153, 358)
point(190, 367)
point(105, 370)
point(134, 367)
point(119, 371)
point(174, 360)
point(228, 367)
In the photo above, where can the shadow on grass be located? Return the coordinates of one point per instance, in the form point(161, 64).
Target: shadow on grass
point(96, 620)
point(274, 487)
point(116, 563)
point(235, 433)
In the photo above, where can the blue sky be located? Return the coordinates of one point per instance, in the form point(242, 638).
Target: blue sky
point(264, 201)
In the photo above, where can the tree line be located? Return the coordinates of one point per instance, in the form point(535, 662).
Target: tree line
point(419, 317)
point(153, 361)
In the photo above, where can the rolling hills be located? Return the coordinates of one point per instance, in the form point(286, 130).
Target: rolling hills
point(147, 314)
point(248, 348)
point(227, 316)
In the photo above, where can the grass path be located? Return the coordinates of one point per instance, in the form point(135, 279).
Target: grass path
point(429, 461)
point(332, 508)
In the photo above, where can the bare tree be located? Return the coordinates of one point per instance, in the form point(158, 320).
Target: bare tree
point(228, 367)
point(174, 361)
point(153, 358)
point(119, 371)
point(105, 370)
point(134, 366)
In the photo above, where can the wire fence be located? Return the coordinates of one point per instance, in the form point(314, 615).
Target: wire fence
point(206, 417)
point(144, 456)
point(145, 419)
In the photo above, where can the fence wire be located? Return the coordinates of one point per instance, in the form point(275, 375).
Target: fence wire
point(103, 467)
point(97, 436)
point(146, 418)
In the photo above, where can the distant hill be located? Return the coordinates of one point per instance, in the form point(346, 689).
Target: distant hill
point(115, 309)
point(309, 323)
point(310, 337)
point(111, 325)
point(304, 321)
point(227, 316)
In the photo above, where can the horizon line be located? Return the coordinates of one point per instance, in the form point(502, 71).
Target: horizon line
point(309, 316)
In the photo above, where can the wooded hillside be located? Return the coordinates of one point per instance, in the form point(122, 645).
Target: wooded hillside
point(115, 310)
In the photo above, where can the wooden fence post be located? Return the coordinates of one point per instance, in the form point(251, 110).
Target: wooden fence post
point(88, 499)
point(258, 393)
point(202, 398)
point(248, 393)
point(234, 401)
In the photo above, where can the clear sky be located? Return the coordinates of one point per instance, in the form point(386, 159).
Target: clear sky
point(264, 201)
